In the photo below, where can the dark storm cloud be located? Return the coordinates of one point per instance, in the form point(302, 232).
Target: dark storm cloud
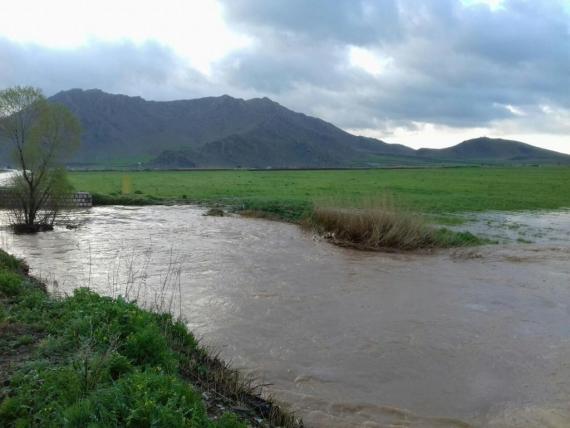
point(280, 64)
point(449, 63)
point(344, 21)
point(523, 31)
point(149, 69)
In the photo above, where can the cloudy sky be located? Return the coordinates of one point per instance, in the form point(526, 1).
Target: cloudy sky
point(426, 73)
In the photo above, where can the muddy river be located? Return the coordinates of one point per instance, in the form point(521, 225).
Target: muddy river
point(473, 337)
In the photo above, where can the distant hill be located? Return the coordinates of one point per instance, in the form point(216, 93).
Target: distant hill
point(227, 132)
point(495, 150)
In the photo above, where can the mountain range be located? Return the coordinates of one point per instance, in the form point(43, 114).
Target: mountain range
point(227, 132)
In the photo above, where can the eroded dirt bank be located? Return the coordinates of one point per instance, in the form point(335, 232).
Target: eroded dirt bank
point(460, 338)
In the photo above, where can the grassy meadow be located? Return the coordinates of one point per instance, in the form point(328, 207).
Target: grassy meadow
point(290, 194)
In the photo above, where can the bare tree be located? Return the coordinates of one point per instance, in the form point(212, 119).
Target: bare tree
point(42, 136)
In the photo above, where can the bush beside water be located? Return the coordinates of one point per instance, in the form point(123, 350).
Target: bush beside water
point(380, 224)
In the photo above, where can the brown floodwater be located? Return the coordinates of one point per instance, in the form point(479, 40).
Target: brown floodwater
point(473, 337)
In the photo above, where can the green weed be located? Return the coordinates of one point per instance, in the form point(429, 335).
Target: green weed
point(10, 284)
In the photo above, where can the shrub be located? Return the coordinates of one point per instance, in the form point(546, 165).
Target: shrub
point(375, 225)
point(147, 347)
point(9, 262)
point(10, 284)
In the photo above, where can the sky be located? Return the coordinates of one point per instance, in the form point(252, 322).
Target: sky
point(425, 73)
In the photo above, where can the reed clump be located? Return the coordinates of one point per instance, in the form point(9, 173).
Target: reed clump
point(381, 225)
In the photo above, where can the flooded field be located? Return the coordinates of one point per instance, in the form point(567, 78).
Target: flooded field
point(541, 227)
point(6, 177)
point(458, 338)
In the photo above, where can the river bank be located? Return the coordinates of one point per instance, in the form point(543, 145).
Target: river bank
point(470, 337)
point(85, 359)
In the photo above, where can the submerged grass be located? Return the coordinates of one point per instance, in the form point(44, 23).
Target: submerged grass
point(380, 225)
point(89, 360)
point(283, 210)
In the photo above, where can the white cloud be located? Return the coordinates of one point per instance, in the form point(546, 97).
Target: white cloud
point(493, 4)
point(368, 61)
point(194, 29)
point(515, 111)
point(423, 134)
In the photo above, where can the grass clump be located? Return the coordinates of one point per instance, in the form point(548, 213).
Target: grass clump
point(292, 211)
point(10, 283)
point(63, 396)
point(11, 263)
point(89, 360)
point(215, 212)
point(137, 199)
point(377, 225)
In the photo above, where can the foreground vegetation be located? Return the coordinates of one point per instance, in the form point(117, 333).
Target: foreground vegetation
point(88, 360)
point(289, 195)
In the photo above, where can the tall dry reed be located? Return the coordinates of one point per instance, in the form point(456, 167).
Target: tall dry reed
point(372, 225)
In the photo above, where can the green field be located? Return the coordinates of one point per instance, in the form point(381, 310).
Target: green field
point(288, 193)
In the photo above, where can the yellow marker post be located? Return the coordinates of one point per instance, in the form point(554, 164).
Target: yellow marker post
point(126, 185)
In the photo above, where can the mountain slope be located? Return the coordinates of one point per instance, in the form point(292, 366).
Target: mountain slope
point(282, 141)
point(212, 132)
